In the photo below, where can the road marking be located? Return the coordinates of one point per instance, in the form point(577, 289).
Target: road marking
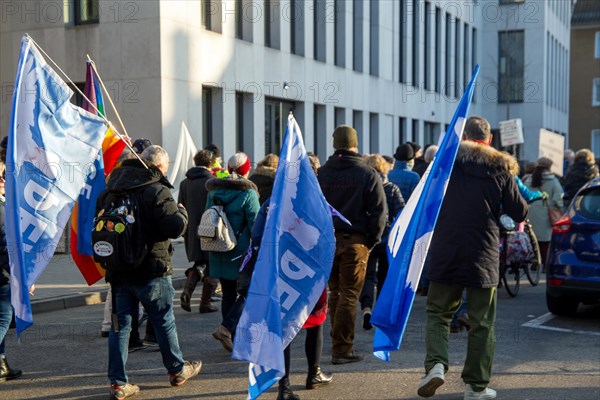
point(538, 323)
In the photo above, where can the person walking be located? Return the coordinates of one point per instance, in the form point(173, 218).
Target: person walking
point(582, 171)
point(192, 194)
point(377, 266)
point(239, 198)
point(356, 191)
point(264, 176)
point(464, 254)
point(402, 174)
point(545, 181)
point(150, 284)
point(6, 311)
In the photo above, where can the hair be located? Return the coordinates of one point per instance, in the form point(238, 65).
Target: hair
point(378, 163)
point(203, 158)
point(314, 162)
point(270, 161)
point(569, 155)
point(2, 168)
point(214, 150)
point(537, 177)
point(477, 128)
point(430, 153)
point(155, 155)
point(389, 159)
point(585, 155)
point(529, 167)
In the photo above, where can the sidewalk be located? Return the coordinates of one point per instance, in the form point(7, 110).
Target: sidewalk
point(62, 286)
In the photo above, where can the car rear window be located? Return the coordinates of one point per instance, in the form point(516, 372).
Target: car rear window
point(588, 204)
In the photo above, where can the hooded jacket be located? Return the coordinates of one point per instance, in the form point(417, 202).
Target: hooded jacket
point(578, 175)
point(403, 177)
point(464, 247)
point(162, 219)
point(192, 194)
point(264, 177)
point(355, 190)
point(239, 198)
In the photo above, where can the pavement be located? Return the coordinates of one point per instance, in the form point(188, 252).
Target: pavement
point(61, 285)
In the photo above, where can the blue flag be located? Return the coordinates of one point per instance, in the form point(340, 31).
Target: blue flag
point(51, 146)
point(292, 268)
point(411, 235)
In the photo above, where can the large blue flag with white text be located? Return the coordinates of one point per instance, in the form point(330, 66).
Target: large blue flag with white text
point(411, 235)
point(292, 268)
point(52, 146)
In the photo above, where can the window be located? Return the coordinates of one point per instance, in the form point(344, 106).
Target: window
point(357, 35)
point(457, 57)
point(320, 34)
point(596, 142)
point(211, 15)
point(272, 20)
point(511, 66)
point(340, 116)
point(339, 31)
point(357, 123)
point(415, 55)
point(427, 50)
point(297, 27)
point(276, 113)
point(448, 47)
point(207, 122)
point(239, 120)
point(437, 48)
point(402, 130)
point(511, 1)
point(401, 42)
point(596, 93)
point(374, 38)
point(373, 133)
point(597, 46)
point(81, 12)
point(244, 17)
point(77, 98)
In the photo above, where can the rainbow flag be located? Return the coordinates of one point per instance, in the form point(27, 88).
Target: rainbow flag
point(82, 222)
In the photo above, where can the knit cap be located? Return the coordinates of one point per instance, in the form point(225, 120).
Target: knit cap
point(344, 137)
point(239, 163)
point(404, 152)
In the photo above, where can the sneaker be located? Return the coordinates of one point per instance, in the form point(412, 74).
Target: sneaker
point(352, 357)
point(223, 335)
point(367, 319)
point(135, 346)
point(190, 370)
point(104, 333)
point(433, 380)
point(485, 394)
point(118, 392)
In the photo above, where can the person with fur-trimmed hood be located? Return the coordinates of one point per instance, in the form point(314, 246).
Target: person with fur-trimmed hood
point(239, 198)
point(264, 176)
point(464, 255)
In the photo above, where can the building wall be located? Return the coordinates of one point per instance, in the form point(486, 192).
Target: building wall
point(584, 68)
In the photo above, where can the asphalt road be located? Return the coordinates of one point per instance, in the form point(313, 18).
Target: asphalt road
point(64, 357)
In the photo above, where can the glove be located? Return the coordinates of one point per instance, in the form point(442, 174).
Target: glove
point(544, 196)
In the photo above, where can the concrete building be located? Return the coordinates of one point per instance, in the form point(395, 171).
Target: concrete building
point(231, 70)
point(584, 99)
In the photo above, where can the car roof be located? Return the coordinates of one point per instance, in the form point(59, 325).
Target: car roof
point(593, 183)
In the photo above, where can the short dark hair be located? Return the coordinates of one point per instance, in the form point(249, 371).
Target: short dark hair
point(203, 158)
point(213, 148)
point(477, 128)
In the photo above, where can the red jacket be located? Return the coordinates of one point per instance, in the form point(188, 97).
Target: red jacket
point(319, 313)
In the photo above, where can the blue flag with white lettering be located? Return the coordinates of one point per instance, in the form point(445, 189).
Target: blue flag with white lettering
point(411, 235)
point(51, 146)
point(292, 268)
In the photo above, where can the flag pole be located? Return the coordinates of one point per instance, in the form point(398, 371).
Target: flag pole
point(116, 113)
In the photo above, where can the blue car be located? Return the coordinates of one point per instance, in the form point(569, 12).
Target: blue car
point(573, 267)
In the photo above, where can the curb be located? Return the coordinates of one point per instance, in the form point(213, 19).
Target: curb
point(80, 299)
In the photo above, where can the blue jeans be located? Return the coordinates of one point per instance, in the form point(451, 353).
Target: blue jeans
point(156, 295)
point(5, 313)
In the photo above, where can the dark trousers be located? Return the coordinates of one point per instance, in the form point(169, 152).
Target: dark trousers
point(377, 268)
point(345, 285)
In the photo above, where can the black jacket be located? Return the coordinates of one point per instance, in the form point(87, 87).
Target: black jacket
point(578, 175)
point(464, 247)
point(192, 194)
point(4, 265)
point(395, 203)
point(263, 177)
point(356, 191)
point(161, 218)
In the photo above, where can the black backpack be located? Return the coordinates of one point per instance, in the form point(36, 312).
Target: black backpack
point(118, 239)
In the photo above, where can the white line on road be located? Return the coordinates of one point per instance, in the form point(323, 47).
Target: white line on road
point(539, 322)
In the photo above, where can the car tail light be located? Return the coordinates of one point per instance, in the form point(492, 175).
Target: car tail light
point(555, 282)
point(563, 225)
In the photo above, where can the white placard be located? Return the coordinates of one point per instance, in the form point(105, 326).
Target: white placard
point(511, 132)
point(552, 146)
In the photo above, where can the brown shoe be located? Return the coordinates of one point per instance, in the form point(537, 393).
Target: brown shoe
point(223, 335)
point(352, 357)
point(208, 308)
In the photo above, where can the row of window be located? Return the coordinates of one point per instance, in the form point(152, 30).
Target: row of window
point(557, 64)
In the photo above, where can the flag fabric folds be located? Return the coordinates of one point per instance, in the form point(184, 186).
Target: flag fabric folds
point(292, 268)
point(51, 148)
point(184, 159)
point(82, 218)
point(411, 235)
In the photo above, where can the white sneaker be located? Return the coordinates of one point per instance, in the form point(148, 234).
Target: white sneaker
point(486, 394)
point(433, 380)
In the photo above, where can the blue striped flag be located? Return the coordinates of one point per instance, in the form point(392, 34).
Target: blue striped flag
point(292, 268)
point(52, 145)
point(411, 235)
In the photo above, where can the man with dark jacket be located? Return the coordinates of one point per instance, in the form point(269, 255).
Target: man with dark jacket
point(150, 283)
point(464, 255)
point(356, 191)
point(192, 195)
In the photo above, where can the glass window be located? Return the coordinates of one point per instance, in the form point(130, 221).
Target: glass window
point(588, 204)
point(86, 12)
point(357, 36)
point(320, 33)
point(596, 93)
point(374, 38)
point(297, 27)
point(339, 32)
point(596, 142)
point(207, 122)
point(597, 46)
point(511, 1)
point(511, 66)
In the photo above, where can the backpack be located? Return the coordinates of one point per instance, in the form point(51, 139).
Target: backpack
point(118, 240)
point(215, 232)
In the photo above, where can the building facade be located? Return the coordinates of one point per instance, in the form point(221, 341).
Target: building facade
point(233, 69)
point(584, 118)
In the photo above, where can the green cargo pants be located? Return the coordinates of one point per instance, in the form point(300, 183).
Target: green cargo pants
point(443, 301)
